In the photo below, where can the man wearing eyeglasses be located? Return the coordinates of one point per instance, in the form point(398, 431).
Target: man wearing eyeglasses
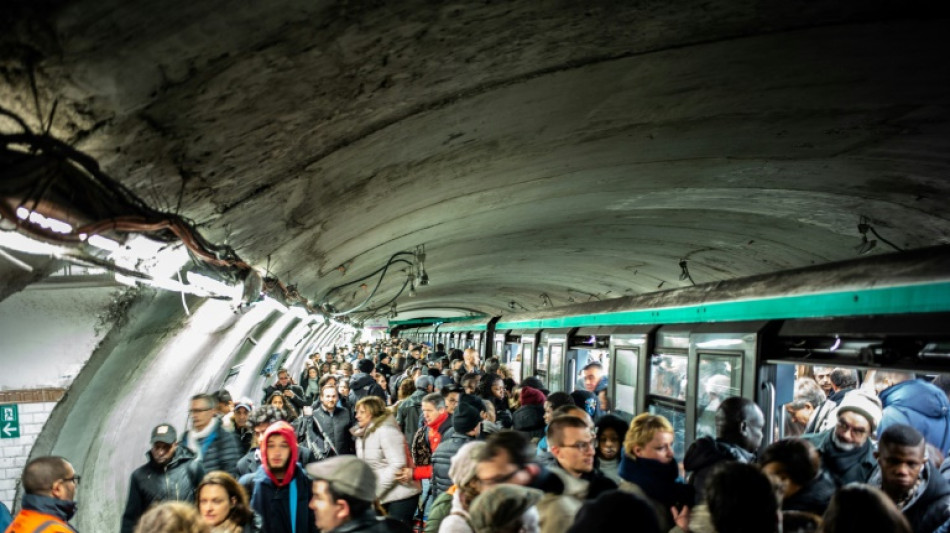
point(847, 451)
point(171, 474)
point(48, 504)
point(572, 444)
point(216, 447)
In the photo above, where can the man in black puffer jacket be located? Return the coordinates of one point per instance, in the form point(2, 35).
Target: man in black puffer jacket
point(363, 383)
point(466, 426)
point(171, 474)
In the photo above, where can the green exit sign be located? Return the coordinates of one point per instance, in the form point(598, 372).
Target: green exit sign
point(9, 421)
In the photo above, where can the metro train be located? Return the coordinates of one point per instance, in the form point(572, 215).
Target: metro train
point(674, 352)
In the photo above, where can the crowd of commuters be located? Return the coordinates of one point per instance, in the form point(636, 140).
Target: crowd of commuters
point(390, 437)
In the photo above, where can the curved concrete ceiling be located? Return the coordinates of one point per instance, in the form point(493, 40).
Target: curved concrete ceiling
point(561, 150)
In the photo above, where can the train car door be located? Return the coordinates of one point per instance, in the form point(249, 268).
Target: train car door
point(552, 350)
point(723, 356)
point(629, 349)
point(667, 390)
point(498, 346)
point(524, 343)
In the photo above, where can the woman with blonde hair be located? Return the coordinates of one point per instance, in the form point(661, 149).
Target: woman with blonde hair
point(648, 467)
point(172, 517)
point(223, 504)
point(381, 444)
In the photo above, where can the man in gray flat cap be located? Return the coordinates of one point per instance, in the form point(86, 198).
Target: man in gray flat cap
point(344, 488)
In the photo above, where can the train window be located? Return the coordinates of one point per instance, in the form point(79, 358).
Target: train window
point(677, 418)
point(625, 389)
point(513, 360)
point(556, 372)
point(668, 376)
point(720, 376)
point(541, 362)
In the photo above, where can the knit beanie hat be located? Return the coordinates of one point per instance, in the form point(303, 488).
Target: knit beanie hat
point(464, 461)
point(531, 396)
point(501, 505)
point(863, 403)
point(465, 418)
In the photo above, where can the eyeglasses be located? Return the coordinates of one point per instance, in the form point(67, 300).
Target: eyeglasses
point(193, 411)
point(74, 479)
point(845, 427)
point(582, 446)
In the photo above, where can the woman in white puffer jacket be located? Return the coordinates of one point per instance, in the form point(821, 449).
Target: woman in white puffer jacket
point(381, 443)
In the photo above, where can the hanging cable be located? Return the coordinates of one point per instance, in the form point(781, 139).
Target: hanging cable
point(373, 293)
point(684, 272)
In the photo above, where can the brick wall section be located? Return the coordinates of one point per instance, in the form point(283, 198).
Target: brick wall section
point(35, 407)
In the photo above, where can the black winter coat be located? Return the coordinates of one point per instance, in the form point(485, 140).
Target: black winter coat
point(529, 419)
point(298, 398)
point(813, 497)
point(336, 428)
point(362, 385)
point(223, 453)
point(153, 483)
point(930, 507)
point(706, 453)
point(442, 460)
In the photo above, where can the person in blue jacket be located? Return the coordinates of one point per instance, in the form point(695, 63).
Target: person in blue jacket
point(916, 403)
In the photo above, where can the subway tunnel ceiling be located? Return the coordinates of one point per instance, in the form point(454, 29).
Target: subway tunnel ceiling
point(544, 153)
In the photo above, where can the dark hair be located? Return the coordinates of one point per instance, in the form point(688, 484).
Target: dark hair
point(556, 428)
point(484, 386)
point(797, 457)
point(844, 378)
point(41, 473)
point(223, 396)
point(241, 513)
point(283, 370)
point(900, 435)
point(565, 410)
point(513, 443)
point(265, 414)
point(559, 399)
point(741, 498)
point(593, 364)
point(327, 377)
point(857, 508)
point(471, 376)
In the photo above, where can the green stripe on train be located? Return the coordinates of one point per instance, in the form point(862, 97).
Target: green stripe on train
point(924, 298)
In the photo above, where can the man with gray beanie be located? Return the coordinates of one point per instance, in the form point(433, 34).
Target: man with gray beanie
point(344, 488)
point(466, 426)
point(847, 451)
point(410, 410)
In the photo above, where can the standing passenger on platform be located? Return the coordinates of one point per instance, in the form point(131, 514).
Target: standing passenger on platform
point(326, 432)
point(216, 448)
point(911, 480)
point(466, 427)
point(239, 418)
point(223, 504)
point(363, 383)
point(382, 446)
point(846, 450)
point(281, 489)
point(171, 474)
point(285, 386)
point(916, 403)
point(573, 446)
point(739, 423)
point(410, 410)
point(49, 502)
point(344, 489)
